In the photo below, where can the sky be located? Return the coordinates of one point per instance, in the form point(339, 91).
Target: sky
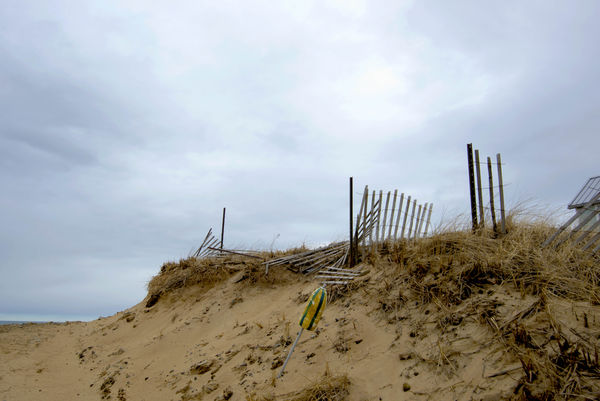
point(128, 125)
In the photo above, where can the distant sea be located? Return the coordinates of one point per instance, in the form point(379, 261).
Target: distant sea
point(16, 322)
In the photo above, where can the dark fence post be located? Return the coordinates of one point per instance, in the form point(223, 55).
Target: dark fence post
point(493, 211)
point(472, 185)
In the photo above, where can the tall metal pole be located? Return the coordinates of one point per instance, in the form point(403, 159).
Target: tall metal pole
point(351, 258)
point(223, 228)
point(472, 185)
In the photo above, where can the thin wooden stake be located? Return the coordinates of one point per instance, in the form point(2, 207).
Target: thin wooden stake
point(501, 192)
point(412, 218)
point(398, 217)
point(491, 180)
point(405, 217)
point(392, 214)
point(479, 191)
point(364, 237)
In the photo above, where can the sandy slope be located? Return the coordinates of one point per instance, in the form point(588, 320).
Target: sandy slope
point(228, 341)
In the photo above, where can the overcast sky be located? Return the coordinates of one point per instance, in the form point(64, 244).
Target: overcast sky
point(127, 126)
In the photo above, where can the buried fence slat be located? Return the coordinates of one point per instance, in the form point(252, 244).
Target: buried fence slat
point(334, 282)
point(392, 215)
point(328, 277)
point(342, 270)
point(405, 217)
point(491, 180)
point(412, 218)
point(501, 193)
point(429, 219)
point(327, 271)
point(479, 186)
point(385, 213)
point(398, 217)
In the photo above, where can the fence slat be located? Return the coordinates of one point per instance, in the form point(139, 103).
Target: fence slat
point(412, 218)
point(398, 217)
point(429, 219)
point(405, 217)
point(385, 213)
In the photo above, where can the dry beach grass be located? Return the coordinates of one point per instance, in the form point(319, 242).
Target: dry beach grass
point(456, 316)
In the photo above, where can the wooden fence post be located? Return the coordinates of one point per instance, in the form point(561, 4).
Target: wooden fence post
point(392, 215)
point(412, 218)
point(479, 191)
point(491, 180)
point(472, 185)
point(398, 217)
point(501, 192)
point(385, 213)
point(405, 217)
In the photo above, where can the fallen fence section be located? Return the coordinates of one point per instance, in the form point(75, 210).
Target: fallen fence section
point(334, 254)
point(209, 249)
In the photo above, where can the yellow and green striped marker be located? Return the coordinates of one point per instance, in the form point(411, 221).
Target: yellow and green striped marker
point(310, 318)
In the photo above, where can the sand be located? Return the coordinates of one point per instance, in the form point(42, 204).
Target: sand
point(228, 342)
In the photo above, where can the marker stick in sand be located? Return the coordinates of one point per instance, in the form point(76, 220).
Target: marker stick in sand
point(310, 318)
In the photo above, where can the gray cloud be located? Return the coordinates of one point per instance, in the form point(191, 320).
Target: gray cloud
point(127, 128)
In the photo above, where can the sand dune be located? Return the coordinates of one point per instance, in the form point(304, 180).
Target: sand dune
point(386, 340)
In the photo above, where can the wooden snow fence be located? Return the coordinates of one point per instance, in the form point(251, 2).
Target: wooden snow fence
point(334, 254)
point(390, 218)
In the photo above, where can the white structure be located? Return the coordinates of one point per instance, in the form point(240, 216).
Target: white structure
point(588, 218)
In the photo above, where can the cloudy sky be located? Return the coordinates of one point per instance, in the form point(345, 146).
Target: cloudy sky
point(127, 126)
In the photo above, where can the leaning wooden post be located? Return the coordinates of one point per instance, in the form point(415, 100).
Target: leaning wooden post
point(501, 192)
point(493, 211)
point(222, 228)
point(351, 258)
point(364, 232)
point(479, 191)
point(472, 185)
point(405, 217)
point(398, 217)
